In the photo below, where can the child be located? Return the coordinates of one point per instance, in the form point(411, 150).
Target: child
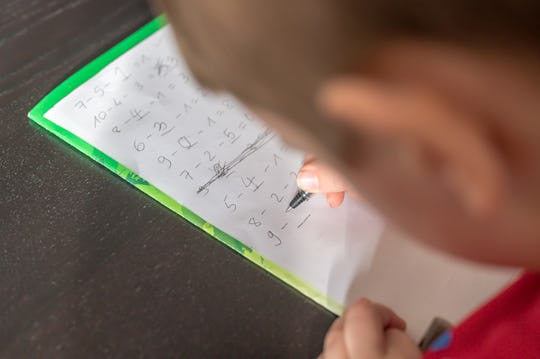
point(430, 110)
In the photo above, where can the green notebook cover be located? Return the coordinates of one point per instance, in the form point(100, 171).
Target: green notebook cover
point(37, 114)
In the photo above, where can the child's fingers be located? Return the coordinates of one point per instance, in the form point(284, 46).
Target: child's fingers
point(368, 330)
point(316, 177)
point(334, 344)
point(365, 326)
point(400, 345)
point(335, 199)
point(334, 332)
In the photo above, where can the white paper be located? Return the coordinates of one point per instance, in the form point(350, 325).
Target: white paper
point(212, 156)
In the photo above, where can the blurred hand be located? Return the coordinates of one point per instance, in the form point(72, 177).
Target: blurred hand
point(369, 330)
point(317, 177)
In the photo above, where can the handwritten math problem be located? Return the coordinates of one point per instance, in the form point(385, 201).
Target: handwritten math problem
point(213, 156)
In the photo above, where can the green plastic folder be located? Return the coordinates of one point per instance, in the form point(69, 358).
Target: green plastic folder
point(38, 113)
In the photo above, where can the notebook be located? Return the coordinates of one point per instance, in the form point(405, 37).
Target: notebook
point(137, 110)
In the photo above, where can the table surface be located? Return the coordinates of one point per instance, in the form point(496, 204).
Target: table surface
point(89, 266)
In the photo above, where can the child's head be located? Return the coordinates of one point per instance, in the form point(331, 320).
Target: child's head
point(430, 109)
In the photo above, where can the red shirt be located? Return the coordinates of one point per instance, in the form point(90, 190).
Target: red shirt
point(507, 327)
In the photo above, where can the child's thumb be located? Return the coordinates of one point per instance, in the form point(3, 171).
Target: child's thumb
point(317, 178)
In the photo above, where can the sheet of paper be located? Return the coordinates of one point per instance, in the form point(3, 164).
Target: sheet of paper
point(212, 156)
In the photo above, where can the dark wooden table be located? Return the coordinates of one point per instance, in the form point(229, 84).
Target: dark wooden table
point(89, 266)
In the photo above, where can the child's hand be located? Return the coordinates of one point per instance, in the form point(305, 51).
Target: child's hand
point(369, 330)
point(317, 177)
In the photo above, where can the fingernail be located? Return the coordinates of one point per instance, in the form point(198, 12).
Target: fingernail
point(307, 181)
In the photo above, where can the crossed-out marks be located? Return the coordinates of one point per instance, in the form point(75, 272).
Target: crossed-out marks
point(222, 170)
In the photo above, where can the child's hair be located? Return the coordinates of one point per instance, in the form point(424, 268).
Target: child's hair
point(276, 53)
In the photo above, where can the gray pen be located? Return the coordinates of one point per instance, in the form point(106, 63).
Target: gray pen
point(299, 198)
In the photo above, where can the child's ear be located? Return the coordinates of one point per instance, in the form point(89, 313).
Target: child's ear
point(412, 113)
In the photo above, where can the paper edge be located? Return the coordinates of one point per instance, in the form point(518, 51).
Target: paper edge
point(37, 114)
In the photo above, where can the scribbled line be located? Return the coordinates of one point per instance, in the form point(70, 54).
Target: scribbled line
point(222, 170)
point(304, 221)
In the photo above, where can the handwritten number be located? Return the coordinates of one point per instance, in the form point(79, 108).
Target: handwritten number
point(250, 182)
point(277, 198)
point(303, 221)
point(184, 142)
point(184, 77)
point(254, 222)
point(98, 90)
point(229, 205)
point(162, 68)
point(118, 72)
point(276, 158)
point(161, 126)
point(139, 147)
point(164, 160)
point(230, 135)
point(210, 156)
point(186, 175)
point(99, 118)
point(137, 114)
point(80, 105)
point(272, 235)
